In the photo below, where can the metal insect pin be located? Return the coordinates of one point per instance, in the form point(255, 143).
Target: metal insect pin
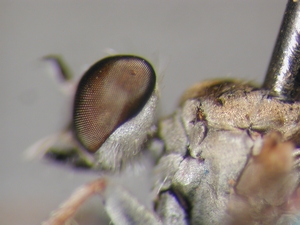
point(230, 151)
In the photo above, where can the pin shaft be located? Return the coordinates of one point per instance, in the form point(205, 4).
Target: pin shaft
point(282, 78)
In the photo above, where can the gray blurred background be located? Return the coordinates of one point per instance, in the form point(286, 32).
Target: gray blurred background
point(186, 41)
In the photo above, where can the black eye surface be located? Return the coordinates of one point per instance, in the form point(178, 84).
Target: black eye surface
point(112, 91)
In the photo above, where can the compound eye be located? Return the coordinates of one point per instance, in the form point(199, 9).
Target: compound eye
point(111, 92)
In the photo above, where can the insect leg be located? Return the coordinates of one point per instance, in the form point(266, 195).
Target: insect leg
point(124, 209)
point(170, 210)
point(70, 207)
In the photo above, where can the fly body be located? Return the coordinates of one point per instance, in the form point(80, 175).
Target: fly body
point(227, 155)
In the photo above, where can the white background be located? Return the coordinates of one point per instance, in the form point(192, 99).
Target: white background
point(187, 41)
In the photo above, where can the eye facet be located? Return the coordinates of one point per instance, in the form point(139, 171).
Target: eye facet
point(112, 91)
